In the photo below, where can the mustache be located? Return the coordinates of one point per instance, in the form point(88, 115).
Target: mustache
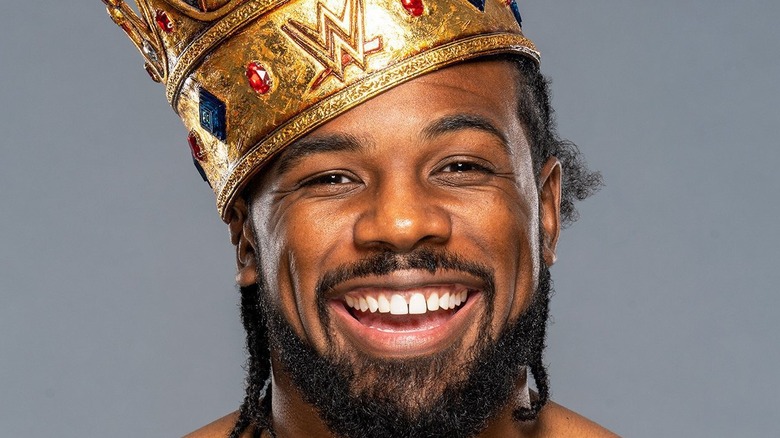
point(387, 262)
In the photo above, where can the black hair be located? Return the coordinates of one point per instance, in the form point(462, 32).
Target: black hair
point(256, 408)
point(578, 182)
point(537, 115)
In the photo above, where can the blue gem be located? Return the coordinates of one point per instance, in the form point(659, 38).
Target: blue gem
point(479, 4)
point(200, 171)
point(516, 11)
point(194, 3)
point(212, 115)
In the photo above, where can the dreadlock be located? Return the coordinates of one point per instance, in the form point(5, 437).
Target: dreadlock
point(255, 411)
point(578, 182)
point(538, 370)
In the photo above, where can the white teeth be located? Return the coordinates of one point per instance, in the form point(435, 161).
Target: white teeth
point(417, 304)
point(398, 305)
point(433, 302)
point(384, 305)
point(373, 305)
point(444, 301)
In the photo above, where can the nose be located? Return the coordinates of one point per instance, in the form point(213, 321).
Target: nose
point(401, 216)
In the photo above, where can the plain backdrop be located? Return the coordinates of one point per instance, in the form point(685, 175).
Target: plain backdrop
point(118, 311)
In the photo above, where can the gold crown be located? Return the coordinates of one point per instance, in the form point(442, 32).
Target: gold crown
point(248, 77)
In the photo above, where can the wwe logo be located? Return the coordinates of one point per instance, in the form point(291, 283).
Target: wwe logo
point(338, 41)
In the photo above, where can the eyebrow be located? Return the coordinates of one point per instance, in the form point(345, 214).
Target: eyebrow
point(459, 122)
point(315, 145)
point(341, 142)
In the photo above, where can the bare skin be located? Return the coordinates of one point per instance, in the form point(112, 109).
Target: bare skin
point(439, 162)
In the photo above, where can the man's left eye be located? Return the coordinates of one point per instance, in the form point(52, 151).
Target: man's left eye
point(327, 179)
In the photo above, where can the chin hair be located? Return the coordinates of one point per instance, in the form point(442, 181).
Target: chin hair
point(460, 409)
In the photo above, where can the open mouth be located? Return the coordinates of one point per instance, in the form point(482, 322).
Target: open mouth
point(406, 311)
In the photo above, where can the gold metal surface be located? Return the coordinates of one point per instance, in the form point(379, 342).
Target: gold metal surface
point(323, 57)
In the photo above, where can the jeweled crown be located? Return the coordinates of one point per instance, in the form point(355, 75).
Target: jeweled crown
point(248, 77)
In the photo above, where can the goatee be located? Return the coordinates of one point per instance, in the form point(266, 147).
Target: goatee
point(447, 394)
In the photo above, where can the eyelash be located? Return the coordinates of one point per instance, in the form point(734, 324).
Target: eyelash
point(325, 180)
point(457, 167)
point(473, 167)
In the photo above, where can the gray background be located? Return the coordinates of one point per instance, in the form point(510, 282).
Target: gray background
point(118, 314)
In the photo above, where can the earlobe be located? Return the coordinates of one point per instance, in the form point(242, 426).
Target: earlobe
point(242, 236)
point(550, 208)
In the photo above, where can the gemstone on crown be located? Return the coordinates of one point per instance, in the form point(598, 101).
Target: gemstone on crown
point(515, 11)
point(195, 146)
point(258, 77)
point(212, 114)
point(163, 21)
point(414, 7)
point(479, 4)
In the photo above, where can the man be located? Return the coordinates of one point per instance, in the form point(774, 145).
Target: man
point(394, 187)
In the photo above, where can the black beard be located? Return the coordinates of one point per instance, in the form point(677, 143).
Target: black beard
point(361, 396)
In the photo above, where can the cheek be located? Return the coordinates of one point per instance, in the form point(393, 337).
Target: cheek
point(312, 236)
point(302, 245)
point(504, 228)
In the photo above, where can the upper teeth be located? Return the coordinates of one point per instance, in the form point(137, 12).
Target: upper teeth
point(405, 303)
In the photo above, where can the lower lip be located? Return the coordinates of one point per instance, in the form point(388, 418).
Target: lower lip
point(406, 343)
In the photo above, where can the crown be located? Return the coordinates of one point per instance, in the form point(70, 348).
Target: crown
point(249, 77)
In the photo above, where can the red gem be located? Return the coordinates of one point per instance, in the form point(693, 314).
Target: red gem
point(163, 21)
point(258, 77)
point(414, 7)
point(197, 150)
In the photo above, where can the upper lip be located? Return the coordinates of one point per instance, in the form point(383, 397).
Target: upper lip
point(407, 279)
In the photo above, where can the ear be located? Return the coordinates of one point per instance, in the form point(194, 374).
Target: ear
point(242, 236)
point(550, 207)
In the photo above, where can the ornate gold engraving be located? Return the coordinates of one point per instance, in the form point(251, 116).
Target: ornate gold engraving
point(338, 40)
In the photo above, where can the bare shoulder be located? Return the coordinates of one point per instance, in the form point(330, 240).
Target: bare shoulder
point(557, 421)
point(218, 429)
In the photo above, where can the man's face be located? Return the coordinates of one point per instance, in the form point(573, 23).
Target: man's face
point(405, 232)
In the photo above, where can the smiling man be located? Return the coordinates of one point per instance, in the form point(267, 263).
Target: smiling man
point(393, 183)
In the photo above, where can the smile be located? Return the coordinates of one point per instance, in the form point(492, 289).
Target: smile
point(416, 319)
point(407, 311)
point(410, 302)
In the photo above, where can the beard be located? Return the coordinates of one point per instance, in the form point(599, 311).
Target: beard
point(446, 394)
